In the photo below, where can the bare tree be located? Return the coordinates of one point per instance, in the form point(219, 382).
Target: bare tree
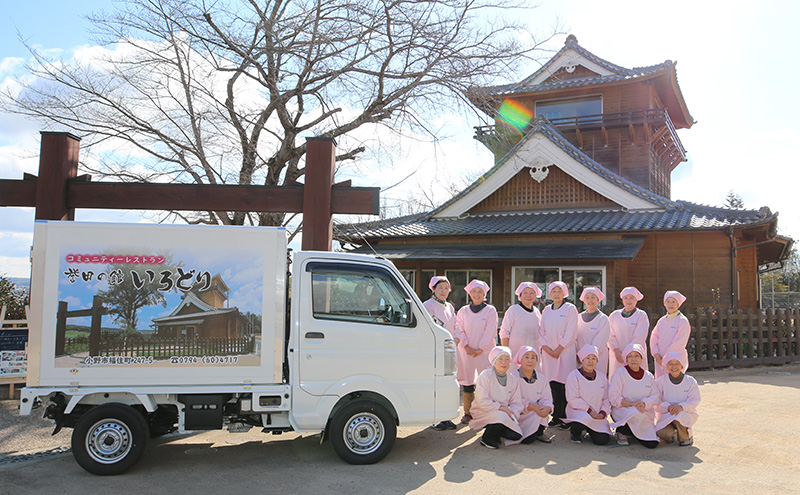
point(226, 91)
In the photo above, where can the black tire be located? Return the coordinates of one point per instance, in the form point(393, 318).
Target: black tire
point(109, 439)
point(363, 432)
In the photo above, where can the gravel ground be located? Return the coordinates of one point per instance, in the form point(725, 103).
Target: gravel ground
point(24, 434)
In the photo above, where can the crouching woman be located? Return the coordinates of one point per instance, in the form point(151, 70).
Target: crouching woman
point(632, 397)
point(587, 399)
point(537, 399)
point(677, 397)
point(498, 402)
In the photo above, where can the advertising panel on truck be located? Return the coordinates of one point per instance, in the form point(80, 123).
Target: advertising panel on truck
point(159, 304)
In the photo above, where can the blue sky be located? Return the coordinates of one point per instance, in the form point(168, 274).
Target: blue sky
point(737, 69)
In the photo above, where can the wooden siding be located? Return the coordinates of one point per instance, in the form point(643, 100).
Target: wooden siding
point(695, 263)
point(562, 74)
point(558, 190)
point(747, 271)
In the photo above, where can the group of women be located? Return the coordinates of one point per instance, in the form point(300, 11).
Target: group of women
point(587, 371)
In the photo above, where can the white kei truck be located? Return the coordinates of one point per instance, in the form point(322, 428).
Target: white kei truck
point(140, 330)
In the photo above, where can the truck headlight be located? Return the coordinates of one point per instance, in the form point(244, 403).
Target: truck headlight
point(449, 357)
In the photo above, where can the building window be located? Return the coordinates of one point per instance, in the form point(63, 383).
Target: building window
point(585, 110)
point(410, 276)
point(460, 278)
point(576, 279)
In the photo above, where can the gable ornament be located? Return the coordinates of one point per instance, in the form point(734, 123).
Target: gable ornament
point(538, 170)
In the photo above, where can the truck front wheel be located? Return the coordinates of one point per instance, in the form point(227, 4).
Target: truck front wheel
point(363, 432)
point(109, 439)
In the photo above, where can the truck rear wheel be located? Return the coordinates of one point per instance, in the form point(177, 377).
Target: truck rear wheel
point(109, 439)
point(363, 432)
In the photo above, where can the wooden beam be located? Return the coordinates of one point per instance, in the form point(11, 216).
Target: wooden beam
point(605, 136)
point(579, 135)
point(193, 197)
point(632, 130)
point(149, 196)
point(17, 192)
point(356, 200)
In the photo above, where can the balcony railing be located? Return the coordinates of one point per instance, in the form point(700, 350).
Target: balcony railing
point(658, 129)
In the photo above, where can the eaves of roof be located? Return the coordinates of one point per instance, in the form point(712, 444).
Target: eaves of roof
point(690, 217)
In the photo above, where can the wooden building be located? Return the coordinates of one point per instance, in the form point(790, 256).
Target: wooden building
point(204, 314)
point(580, 192)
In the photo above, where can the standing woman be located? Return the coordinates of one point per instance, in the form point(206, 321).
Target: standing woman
point(476, 327)
point(629, 325)
point(444, 314)
point(671, 333)
point(677, 398)
point(632, 396)
point(557, 334)
point(594, 327)
point(537, 400)
point(498, 403)
point(587, 393)
point(439, 307)
point(521, 322)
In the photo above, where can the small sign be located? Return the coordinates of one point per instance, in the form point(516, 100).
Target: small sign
point(13, 339)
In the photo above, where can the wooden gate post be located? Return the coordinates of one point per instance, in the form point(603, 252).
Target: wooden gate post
point(61, 328)
point(58, 162)
point(317, 214)
point(97, 320)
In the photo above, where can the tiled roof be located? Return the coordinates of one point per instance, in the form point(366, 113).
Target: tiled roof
point(619, 73)
point(685, 217)
point(542, 126)
point(608, 249)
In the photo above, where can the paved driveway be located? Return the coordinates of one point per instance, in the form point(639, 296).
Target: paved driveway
point(746, 440)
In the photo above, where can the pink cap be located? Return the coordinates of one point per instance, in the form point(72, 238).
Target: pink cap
point(633, 291)
point(522, 351)
point(592, 290)
point(524, 285)
point(558, 283)
point(680, 356)
point(632, 348)
point(587, 350)
point(677, 295)
point(477, 283)
point(498, 351)
point(435, 280)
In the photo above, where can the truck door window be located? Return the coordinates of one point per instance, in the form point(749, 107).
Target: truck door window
point(358, 295)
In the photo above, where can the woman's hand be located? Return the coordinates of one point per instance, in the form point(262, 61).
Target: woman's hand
point(549, 351)
point(674, 410)
point(557, 351)
point(618, 355)
point(543, 411)
point(600, 415)
point(509, 412)
point(657, 358)
point(640, 406)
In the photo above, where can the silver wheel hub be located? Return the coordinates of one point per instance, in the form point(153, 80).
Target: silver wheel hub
point(108, 441)
point(364, 433)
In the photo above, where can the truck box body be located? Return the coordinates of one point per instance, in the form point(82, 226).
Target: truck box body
point(208, 291)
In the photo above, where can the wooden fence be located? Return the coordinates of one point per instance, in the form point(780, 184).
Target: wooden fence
point(723, 337)
point(162, 347)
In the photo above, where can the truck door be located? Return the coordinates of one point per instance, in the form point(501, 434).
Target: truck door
point(358, 326)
